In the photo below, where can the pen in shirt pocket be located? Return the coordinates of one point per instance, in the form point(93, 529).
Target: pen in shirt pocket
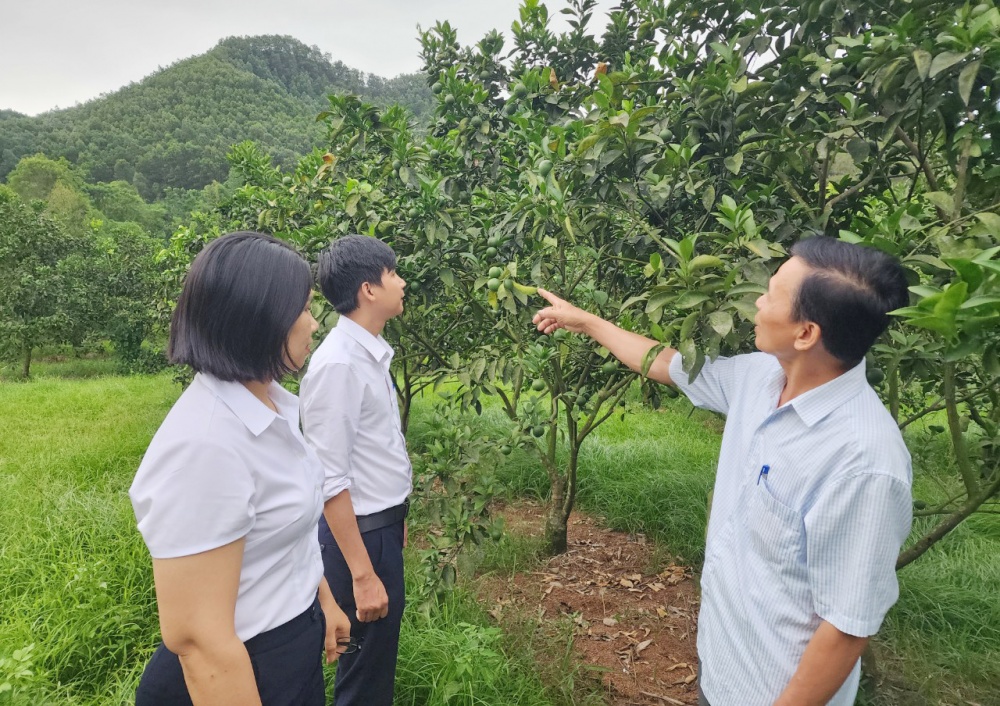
point(763, 473)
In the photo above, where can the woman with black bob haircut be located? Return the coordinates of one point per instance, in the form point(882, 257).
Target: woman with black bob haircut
point(228, 495)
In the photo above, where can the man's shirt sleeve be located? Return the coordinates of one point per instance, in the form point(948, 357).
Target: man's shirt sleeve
point(715, 385)
point(854, 532)
point(331, 413)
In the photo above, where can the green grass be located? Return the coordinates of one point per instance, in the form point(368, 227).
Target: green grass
point(77, 609)
point(651, 473)
point(75, 579)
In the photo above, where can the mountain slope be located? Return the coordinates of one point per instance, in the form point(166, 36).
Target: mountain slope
point(173, 128)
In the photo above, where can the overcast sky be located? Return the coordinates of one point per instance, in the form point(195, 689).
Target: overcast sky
point(56, 53)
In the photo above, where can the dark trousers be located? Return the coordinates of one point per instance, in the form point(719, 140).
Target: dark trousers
point(287, 665)
point(702, 701)
point(367, 677)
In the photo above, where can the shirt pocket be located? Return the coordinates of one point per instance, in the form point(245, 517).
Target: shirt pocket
point(774, 530)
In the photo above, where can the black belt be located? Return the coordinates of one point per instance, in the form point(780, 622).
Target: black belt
point(384, 518)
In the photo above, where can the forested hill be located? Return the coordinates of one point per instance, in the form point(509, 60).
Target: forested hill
point(173, 128)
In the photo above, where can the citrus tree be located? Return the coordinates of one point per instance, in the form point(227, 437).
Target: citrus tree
point(656, 174)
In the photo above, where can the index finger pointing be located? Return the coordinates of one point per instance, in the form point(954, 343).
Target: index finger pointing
point(548, 296)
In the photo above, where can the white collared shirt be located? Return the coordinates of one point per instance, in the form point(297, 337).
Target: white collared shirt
point(223, 466)
point(813, 537)
point(350, 415)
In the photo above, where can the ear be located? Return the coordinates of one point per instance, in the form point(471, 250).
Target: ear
point(365, 292)
point(808, 337)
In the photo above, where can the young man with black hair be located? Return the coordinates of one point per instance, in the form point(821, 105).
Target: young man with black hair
point(812, 496)
point(351, 418)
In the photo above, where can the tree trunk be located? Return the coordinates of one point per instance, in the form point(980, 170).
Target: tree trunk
point(26, 361)
point(561, 502)
point(894, 393)
point(556, 522)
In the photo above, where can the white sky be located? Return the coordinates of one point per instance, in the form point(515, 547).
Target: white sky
point(56, 53)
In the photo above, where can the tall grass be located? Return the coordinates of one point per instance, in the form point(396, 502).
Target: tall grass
point(77, 608)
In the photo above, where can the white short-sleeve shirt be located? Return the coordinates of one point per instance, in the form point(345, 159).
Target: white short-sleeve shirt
point(223, 466)
point(350, 416)
point(812, 503)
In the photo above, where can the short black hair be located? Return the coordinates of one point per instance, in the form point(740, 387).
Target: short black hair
point(347, 263)
point(240, 299)
point(849, 294)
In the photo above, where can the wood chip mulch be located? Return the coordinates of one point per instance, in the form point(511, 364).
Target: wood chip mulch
point(638, 627)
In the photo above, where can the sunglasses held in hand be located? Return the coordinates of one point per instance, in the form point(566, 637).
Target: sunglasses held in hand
point(349, 645)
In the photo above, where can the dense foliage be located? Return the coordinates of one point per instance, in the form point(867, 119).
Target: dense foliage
point(172, 129)
point(77, 263)
point(655, 175)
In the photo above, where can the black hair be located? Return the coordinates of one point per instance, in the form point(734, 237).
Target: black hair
point(240, 299)
point(849, 294)
point(349, 262)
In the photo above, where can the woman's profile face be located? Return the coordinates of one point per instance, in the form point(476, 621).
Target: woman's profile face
point(299, 342)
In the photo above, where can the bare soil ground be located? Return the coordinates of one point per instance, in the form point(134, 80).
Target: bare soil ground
point(637, 627)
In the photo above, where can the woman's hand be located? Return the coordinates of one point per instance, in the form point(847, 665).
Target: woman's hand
point(338, 625)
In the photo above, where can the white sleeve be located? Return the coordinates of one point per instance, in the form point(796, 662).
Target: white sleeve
point(330, 399)
point(854, 532)
point(714, 386)
point(194, 496)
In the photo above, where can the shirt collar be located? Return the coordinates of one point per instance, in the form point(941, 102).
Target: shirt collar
point(375, 345)
point(254, 414)
point(816, 404)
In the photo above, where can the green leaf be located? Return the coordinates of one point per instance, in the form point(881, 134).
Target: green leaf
point(990, 220)
point(747, 309)
point(704, 261)
point(991, 360)
point(708, 198)
point(721, 322)
point(351, 204)
point(687, 326)
point(966, 80)
point(759, 248)
point(858, 149)
point(691, 299)
point(944, 61)
point(942, 200)
point(971, 273)
point(734, 163)
point(657, 301)
point(981, 301)
point(922, 60)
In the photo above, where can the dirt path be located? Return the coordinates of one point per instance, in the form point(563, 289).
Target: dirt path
point(639, 627)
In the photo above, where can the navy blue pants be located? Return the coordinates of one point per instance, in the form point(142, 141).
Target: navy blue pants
point(367, 677)
point(287, 665)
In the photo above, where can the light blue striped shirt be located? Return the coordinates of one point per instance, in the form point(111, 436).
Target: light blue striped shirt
point(813, 537)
